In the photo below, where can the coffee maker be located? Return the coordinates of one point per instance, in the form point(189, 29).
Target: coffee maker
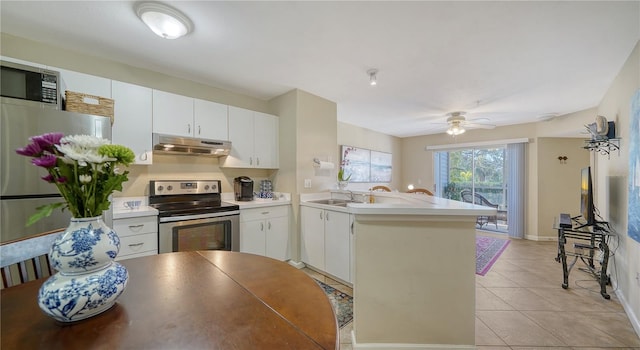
point(243, 188)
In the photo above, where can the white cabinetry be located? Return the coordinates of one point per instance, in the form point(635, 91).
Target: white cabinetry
point(254, 138)
point(210, 120)
point(186, 116)
point(138, 236)
point(132, 119)
point(172, 114)
point(326, 241)
point(265, 231)
point(85, 83)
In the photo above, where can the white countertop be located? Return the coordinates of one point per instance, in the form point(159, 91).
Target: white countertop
point(120, 211)
point(283, 199)
point(395, 203)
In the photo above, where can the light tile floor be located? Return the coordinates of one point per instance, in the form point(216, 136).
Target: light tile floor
point(520, 304)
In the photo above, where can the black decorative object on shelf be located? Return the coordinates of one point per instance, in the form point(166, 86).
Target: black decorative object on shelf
point(603, 146)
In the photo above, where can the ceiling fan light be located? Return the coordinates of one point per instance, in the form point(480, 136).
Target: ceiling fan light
point(163, 20)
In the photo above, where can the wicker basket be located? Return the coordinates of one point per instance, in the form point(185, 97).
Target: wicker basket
point(89, 104)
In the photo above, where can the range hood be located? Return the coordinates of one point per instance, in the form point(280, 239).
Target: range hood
point(168, 144)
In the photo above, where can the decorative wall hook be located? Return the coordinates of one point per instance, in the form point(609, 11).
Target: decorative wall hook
point(563, 159)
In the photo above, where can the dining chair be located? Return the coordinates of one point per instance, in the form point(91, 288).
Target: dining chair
point(380, 188)
point(421, 190)
point(26, 259)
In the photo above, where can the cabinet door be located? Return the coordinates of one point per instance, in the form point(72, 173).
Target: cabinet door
point(337, 244)
point(172, 114)
point(277, 238)
point(266, 140)
point(312, 237)
point(133, 119)
point(241, 137)
point(210, 120)
point(252, 237)
point(85, 83)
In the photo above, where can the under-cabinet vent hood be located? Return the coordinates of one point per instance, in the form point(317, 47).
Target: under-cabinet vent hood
point(167, 144)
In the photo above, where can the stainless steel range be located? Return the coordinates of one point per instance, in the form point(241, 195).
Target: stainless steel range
point(192, 216)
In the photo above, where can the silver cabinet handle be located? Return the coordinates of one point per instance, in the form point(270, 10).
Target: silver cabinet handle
point(320, 215)
point(250, 160)
point(265, 213)
point(188, 128)
point(135, 227)
point(326, 216)
point(144, 156)
point(199, 129)
point(269, 225)
point(136, 245)
point(261, 226)
point(257, 160)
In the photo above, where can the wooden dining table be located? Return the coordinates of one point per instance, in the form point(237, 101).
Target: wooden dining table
point(186, 300)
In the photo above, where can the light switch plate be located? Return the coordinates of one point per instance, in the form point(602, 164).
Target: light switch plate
point(307, 183)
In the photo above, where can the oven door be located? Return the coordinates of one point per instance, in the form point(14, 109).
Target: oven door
point(196, 232)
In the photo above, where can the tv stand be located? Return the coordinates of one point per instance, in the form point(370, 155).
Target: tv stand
point(589, 239)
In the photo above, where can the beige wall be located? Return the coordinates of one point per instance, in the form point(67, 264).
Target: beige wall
point(558, 183)
point(358, 137)
point(611, 185)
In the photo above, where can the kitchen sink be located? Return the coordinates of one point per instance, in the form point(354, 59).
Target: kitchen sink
point(335, 202)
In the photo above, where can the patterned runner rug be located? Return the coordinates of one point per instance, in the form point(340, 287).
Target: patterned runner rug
point(488, 250)
point(342, 303)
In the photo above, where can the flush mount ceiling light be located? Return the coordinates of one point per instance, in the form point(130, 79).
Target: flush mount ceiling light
point(163, 20)
point(373, 79)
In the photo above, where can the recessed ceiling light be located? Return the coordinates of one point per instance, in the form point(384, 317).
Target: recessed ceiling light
point(163, 20)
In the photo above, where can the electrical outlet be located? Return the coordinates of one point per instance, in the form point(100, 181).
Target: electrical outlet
point(638, 278)
point(307, 183)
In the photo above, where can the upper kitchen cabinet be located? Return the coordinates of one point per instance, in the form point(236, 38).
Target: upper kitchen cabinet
point(185, 116)
point(254, 140)
point(85, 83)
point(210, 120)
point(172, 114)
point(132, 119)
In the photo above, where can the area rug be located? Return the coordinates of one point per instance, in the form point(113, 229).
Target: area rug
point(342, 303)
point(488, 250)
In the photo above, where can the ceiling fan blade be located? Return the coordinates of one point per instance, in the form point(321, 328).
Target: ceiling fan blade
point(478, 126)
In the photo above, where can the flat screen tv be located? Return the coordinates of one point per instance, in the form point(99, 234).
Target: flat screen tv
point(586, 197)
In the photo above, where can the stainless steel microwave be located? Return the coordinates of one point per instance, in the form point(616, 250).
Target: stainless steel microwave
point(29, 85)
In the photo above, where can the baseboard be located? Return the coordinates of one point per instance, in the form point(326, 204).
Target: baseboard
point(633, 318)
point(541, 239)
point(403, 346)
point(297, 264)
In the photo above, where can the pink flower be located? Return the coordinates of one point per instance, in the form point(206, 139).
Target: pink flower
point(46, 161)
point(48, 178)
point(30, 150)
point(47, 141)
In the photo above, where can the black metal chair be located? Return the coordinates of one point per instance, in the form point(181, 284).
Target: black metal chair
point(476, 198)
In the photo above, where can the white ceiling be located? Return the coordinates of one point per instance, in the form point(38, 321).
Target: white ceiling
point(510, 62)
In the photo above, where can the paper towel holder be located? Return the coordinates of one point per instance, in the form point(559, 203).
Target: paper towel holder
point(318, 164)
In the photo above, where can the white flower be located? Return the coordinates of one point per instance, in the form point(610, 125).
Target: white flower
point(84, 141)
point(85, 179)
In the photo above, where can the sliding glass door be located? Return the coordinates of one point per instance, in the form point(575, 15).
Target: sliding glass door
point(476, 175)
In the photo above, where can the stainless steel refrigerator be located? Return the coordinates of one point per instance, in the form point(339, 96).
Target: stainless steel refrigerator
point(23, 190)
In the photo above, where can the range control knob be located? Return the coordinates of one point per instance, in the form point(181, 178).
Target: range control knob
point(206, 187)
point(169, 188)
point(160, 188)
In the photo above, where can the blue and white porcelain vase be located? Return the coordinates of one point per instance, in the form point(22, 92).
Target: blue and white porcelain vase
point(88, 281)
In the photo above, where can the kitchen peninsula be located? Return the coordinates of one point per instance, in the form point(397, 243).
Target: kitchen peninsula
point(412, 261)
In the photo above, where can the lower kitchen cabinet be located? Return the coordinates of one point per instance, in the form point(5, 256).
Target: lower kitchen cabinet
point(138, 236)
point(265, 231)
point(326, 241)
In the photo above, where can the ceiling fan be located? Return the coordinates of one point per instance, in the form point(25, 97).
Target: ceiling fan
point(458, 123)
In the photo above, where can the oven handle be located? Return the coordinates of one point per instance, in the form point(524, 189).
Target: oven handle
point(198, 216)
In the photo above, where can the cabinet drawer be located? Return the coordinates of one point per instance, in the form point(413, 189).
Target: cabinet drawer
point(136, 255)
point(135, 226)
point(263, 213)
point(138, 244)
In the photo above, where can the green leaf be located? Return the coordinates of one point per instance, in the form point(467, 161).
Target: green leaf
point(43, 212)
